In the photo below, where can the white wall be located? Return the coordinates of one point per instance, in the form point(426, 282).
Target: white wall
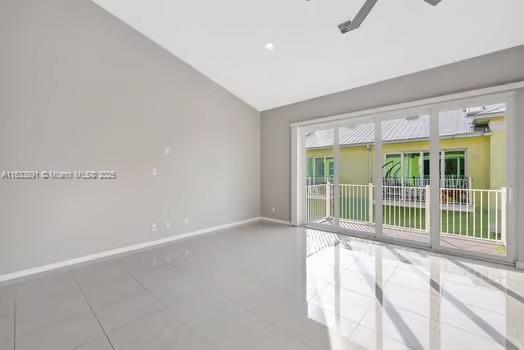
point(80, 90)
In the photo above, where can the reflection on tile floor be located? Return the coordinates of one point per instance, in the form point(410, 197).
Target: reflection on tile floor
point(265, 286)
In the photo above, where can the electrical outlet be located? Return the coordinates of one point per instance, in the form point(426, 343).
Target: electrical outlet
point(167, 151)
point(153, 227)
point(273, 210)
point(186, 221)
point(153, 172)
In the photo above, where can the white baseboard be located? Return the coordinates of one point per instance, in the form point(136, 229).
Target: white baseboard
point(117, 251)
point(277, 221)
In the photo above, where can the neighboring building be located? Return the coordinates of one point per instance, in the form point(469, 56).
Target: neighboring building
point(472, 143)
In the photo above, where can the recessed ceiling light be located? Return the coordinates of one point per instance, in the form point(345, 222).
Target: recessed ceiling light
point(269, 46)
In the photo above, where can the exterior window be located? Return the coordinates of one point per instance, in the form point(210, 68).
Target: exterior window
point(392, 167)
point(319, 167)
point(310, 167)
point(426, 166)
point(454, 164)
point(330, 166)
point(409, 165)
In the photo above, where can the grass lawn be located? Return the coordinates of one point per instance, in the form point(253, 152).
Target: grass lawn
point(461, 223)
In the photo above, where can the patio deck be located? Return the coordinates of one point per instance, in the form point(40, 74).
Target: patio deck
point(446, 240)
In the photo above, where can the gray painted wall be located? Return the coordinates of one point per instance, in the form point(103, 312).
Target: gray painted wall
point(80, 90)
point(484, 71)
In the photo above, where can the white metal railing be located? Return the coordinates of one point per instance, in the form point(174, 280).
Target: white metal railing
point(474, 213)
point(406, 207)
point(356, 202)
point(471, 213)
point(316, 202)
point(406, 195)
point(318, 180)
point(445, 181)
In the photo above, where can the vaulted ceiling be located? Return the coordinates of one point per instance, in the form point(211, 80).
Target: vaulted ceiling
point(225, 40)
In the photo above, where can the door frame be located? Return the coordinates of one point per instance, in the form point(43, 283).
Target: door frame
point(432, 107)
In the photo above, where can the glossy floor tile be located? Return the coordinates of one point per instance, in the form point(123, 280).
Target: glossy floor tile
point(7, 321)
point(267, 286)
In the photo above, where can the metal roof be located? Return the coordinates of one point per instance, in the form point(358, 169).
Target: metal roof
point(486, 110)
point(451, 123)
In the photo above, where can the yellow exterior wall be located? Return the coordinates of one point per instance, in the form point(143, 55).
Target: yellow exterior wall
point(478, 157)
point(356, 162)
point(498, 153)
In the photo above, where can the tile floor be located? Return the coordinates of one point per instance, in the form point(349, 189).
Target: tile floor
point(266, 286)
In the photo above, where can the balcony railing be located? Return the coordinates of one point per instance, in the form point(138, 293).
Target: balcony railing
point(319, 180)
point(447, 181)
point(471, 213)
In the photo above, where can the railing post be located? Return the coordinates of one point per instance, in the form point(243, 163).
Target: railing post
point(503, 197)
point(428, 212)
point(370, 203)
point(328, 199)
point(470, 186)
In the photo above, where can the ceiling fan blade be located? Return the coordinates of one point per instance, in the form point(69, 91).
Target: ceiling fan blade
point(359, 18)
point(364, 11)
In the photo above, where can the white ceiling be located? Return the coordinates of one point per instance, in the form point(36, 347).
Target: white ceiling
point(224, 39)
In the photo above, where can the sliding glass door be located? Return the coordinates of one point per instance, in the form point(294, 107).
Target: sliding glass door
point(319, 181)
point(405, 180)
point(339, 189)
point(438, 176)
point(356, 157)
point(474, 183)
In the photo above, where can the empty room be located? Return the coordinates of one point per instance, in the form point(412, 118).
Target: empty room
point(261, 175)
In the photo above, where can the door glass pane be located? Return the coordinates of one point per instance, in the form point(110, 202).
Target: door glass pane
point(473, 184)
point(320, 193)
point(330, 166)
point(356, 189)
point(412, 168)
point(426, 166)
point(405, 178)
point(319, 167)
